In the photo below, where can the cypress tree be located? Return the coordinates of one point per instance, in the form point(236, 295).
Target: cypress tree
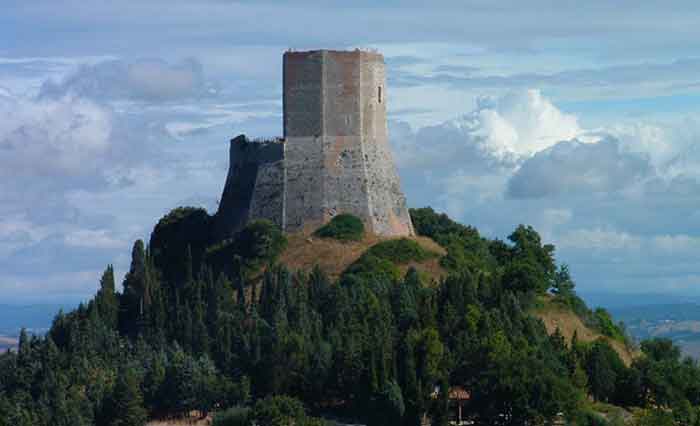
point(125, 405)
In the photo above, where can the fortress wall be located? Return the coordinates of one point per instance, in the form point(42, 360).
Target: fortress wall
point(303, 93)
point(303, 129)
point(345, 189)
point(337, 155)
point(304, 183)
point(388, 211)
point(268, 194)
point(253, 184)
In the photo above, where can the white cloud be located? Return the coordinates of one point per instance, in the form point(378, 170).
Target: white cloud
point(573, 167)
point(672, 244)
point(520, 123)
point(68, 136)
point(598, 239)
point(93, 239)
point(146, 79)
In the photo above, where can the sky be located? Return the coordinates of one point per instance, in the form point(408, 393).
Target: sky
point(579, 118)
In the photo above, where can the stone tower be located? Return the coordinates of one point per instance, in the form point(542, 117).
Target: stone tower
point(335, 156)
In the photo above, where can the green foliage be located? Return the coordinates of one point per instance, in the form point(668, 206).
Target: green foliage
point(234, 416)
point(400, 251)
point(587, 417)
point(282, 411)
point(379, 262)
point(606, 325)
point(261, 239)
point(178, 242)
point(373, 349)
point(124, 407)
point(654, 417)
point(258, 243)
point(387, 407)
point(563, 288)
point(604, 367)
point(465, 247)
point(372, 268)
point(342, 227)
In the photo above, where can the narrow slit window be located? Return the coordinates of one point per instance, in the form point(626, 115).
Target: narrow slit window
point(379, 94)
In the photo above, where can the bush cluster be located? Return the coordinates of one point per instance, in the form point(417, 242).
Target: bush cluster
point(343, 227)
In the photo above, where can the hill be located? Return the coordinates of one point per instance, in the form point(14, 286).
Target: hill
point(7, 342)
point(679, 322)
point(557, 317)
point(274, 328)
point(306, 251)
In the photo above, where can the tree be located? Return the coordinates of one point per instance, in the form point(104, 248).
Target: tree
point(124, 406)
point(282, 411)
point(136, 295)
point(603, 366)
point(562, 283)
point(106, 299)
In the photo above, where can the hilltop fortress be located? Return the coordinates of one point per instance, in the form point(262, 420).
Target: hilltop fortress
point(334, 157)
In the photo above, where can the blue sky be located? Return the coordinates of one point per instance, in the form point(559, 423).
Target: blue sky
point(580, 119)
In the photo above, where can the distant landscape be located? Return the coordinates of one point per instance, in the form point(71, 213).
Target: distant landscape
point(7, 342)
point(679, 322)
point(35, 318)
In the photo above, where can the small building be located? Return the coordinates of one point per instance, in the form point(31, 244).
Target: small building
point(457, 398)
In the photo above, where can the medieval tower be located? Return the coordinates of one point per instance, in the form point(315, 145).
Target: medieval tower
point(335, 156)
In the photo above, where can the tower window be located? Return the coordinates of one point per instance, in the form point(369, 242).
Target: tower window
point(379, 93)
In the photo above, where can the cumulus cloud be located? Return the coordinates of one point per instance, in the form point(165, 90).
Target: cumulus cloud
point(501, 129)
point(522, 122)
point(68, 137)
point(573, 167)
point(146, 79)
point(469, 160)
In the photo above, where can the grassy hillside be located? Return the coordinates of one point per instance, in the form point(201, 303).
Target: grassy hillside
point(555, 316)
point(304, 252)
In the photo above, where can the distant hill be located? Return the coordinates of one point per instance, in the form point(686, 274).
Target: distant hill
point(35, 318)
point(612, 301)
point(7, 343)
point(679, 322)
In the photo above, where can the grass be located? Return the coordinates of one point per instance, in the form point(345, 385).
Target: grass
point(558, 316)
point(305, 251)
point(383, 259)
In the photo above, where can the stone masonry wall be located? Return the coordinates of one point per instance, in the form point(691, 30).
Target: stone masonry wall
point(388, 204)
point(335, 157)
point(337, 154)
point(254, 186)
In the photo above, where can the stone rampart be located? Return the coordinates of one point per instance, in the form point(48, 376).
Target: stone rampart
point(335, 157)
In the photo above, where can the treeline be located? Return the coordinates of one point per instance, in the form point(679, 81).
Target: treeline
point(205, 325)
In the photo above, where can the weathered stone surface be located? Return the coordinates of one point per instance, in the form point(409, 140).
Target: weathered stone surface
point(254, 185)
point(335, 157)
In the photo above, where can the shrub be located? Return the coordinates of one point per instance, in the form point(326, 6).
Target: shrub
point(401, 251)
point(465, 247)
point(587, 417)
point(260, 242)
point(234, 416)
point(282, 411)
point(379, 261)
point(261, 239)
point(180, 237)
point(343, 227)
point(372, 268)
